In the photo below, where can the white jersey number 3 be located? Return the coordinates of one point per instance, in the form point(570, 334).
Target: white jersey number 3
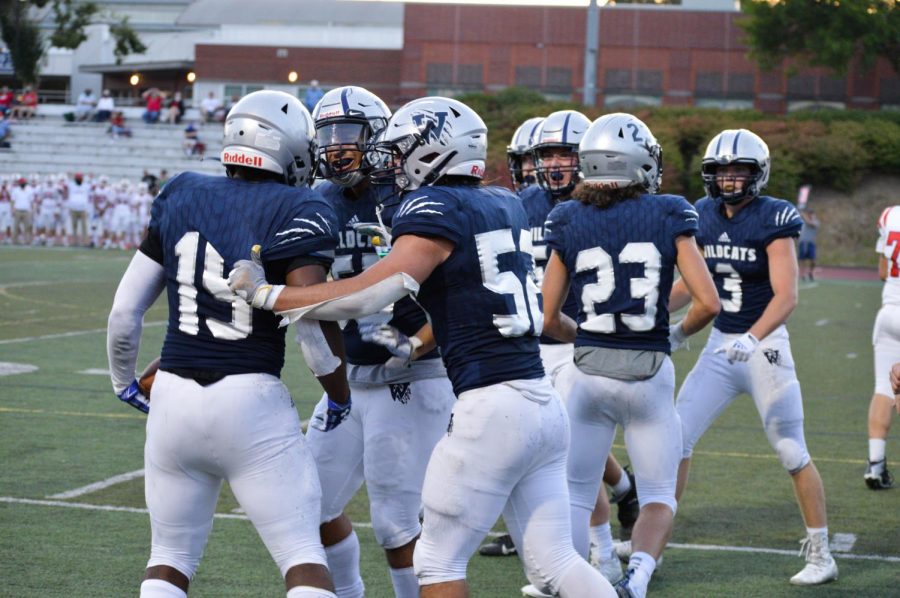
point(214, 282)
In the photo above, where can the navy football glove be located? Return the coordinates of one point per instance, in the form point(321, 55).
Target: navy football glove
point(334, 415)
point(134, 397)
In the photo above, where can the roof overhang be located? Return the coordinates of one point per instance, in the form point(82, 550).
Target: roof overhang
point(131, 67)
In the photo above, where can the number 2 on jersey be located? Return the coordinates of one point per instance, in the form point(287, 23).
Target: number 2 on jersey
point(213, 281)
point(528, 318)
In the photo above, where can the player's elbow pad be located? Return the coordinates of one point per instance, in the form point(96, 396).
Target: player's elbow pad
point(315, 348)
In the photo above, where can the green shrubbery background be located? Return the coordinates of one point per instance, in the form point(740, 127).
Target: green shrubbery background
point(832, 149)
point(851, 158)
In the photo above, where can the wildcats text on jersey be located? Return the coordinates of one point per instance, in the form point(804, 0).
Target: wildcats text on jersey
point(730, 252)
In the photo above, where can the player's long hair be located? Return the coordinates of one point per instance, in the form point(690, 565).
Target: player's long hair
point(602, 197)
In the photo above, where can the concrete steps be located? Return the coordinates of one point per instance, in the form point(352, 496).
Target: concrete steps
point(49, 146)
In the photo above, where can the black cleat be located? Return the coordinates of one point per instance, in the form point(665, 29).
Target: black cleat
point(502, 546)
point(628, 508)
point(876, 480)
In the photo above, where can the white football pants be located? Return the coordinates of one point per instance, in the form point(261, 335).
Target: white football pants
point(886, 340)
point(768, 377)
point(243, 429)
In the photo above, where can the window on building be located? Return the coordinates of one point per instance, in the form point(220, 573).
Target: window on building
point(740, 85)
point(469, 75)
point(649, 82)
point(528, 76)
point(833, 88)
point(439, 73)
point(708, 85)
point(889, 92)
point(617, 81)
point(559, 79)
point(801, 87)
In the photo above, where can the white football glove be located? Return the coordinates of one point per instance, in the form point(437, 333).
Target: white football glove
point(740, 349)
point(402, 347)
point(677, 337)
point(248, 281)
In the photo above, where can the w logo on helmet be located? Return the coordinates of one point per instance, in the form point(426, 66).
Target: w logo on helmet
point(430, 125)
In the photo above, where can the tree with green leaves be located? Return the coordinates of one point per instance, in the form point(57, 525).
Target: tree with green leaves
point(22, 35)
point(824, 33)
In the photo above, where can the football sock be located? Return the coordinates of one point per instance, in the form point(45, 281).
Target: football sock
point(876, 449)
point(812, 531)
point(158, 588)
point(406, 584)
point(601, 536)
point(621, 489)
point(643, 565)
point(309, 592)
point(343, 562)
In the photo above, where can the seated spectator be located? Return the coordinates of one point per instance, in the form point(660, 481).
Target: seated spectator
point(154, 105)
point(314, 93)
point(174, 109)
point(5, 131)
point(27, 105)
point(192, 145)
point(209, 107)
point(117, 126)
point(105, 107)
point(6, 100)
point(85, 105)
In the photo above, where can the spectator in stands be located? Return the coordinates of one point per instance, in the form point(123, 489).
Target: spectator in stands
point(6, 100)
point(163, 178)
point(117, 127)
point(313, 94)
point(151, 181)
point(5, 131)
point(22, 204)
point(84, 106)
point(174, 109)
point(192, 145)
point(806, 251)
point(209, 107)
point(154, 105)
point(105, 107)
point(27, 105)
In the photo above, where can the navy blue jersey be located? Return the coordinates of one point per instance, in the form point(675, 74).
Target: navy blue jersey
point(735, 252)
point(621, 263)
point(354, 254)
point(485, 308)
point(200, 226)
point(538, 203)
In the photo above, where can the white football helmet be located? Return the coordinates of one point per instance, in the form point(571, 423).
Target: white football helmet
point(521, 145)
point(617, 151)
point(429, 138)
point(347, 118)
point(559, 136)
point(272, 131)
point(736, 146)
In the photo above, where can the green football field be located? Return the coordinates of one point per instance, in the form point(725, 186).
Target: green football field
point(72, 518)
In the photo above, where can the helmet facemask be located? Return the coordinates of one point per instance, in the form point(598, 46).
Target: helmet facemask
point(734, 188)
point(342, 149)
point(557, 168)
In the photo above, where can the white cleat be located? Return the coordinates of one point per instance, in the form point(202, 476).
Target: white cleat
point(623, 550)
point(531, 591)
point(820, 566)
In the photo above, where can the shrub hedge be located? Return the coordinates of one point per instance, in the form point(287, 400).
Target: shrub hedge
point(832, 149)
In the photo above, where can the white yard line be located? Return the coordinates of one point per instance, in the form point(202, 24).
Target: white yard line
point(28, 339)
point(705, 547)
point(116, 479)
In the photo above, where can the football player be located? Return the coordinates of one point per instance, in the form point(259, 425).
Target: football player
point(468, 247)
point(748, 243)
point(220, 411)
point(617, 248)
point(554, 146)
point(519, 156)
point(886, 339)
point(400, 408)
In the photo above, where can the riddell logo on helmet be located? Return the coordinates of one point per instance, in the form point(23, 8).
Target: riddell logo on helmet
point(241, 159)
point(477, 171)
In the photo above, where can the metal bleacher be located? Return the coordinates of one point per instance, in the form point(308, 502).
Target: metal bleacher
point(48, 144)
